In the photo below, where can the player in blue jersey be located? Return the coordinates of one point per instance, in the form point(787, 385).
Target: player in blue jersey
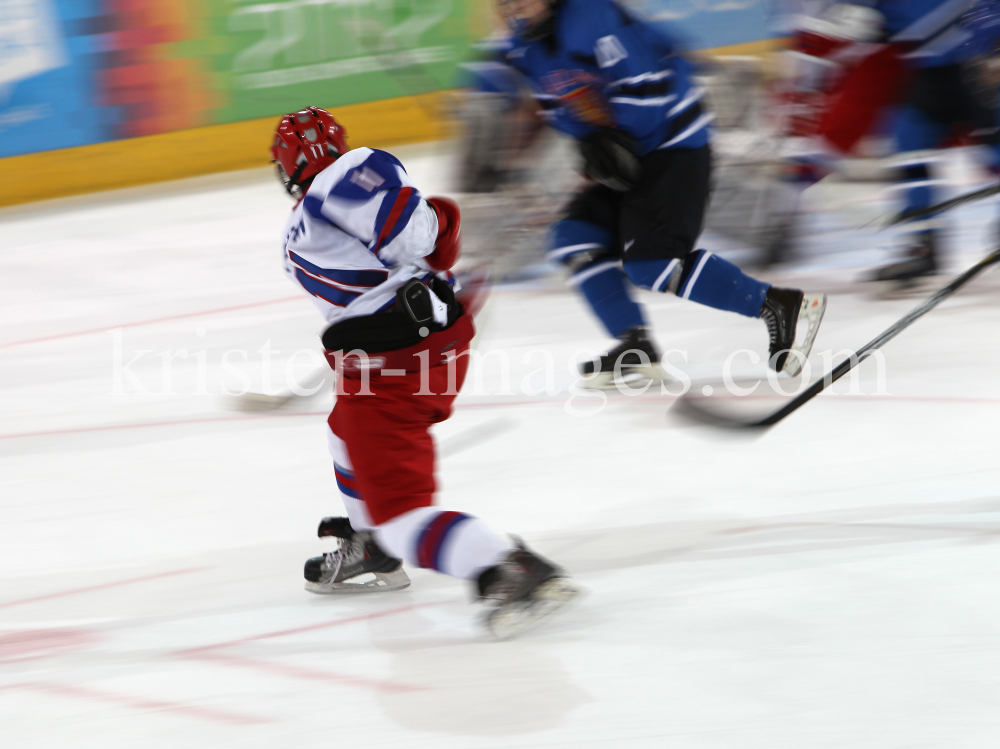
point(941, 102)
point(619, 87)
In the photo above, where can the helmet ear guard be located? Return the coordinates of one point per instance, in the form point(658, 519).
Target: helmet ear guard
point(292, 182)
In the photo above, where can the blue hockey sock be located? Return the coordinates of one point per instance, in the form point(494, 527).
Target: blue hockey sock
point(603, 285)
point(584, 247)
point(570, 238)
point(714, 282)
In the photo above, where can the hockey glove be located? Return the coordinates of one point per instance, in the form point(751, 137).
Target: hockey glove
point(449, 238)
point(610, 157)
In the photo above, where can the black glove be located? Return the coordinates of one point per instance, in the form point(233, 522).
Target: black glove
point(610, 157)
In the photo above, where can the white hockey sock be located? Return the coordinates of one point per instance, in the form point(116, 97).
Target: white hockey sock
point(356, 508)
point(450, 542)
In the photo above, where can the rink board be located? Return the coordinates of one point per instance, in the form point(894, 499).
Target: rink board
point(205, 150)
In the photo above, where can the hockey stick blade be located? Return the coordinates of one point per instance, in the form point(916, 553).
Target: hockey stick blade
point(689, 408)
point(250, 402)
point(905, 216)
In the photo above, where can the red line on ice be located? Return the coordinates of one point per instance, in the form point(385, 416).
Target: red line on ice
point(297, 672)
point(103, 586)
point(308, 628)
point(153, 321)
point(140, 703)
point(210, 653)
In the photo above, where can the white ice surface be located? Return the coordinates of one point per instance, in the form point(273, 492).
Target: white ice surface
point(833, 583)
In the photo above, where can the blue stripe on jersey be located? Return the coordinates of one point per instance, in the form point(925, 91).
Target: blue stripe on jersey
point(335, 296)
point(314, 207)
point(375, 174)
point(367, 278)
point(399, 217)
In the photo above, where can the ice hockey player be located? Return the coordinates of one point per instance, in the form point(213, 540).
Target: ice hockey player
point(375, 257)
point(618, 86)
point(942, 102)
point(840, 80)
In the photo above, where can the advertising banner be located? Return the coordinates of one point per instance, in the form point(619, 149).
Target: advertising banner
point(336, 52)
point(75, 72)
point(79, 72)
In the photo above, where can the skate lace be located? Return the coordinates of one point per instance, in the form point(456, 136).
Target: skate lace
point(334, 560)
point(771, 320)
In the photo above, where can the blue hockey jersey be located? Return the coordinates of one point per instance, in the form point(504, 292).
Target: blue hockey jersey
point(931, 27)
point(604, 68)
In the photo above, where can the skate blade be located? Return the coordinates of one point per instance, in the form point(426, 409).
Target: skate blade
point(546, 600)
point(636, 377)
point(382, 582)
point(811, 313)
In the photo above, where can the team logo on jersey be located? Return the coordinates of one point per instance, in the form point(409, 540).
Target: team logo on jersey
point(366, 178)
point(560, 82)
point(580, 93)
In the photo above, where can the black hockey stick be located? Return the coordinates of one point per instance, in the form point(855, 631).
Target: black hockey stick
point(688, 407)
point(945, 205)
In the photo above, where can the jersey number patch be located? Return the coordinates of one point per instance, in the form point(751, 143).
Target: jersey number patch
point(609, 50)
point(367, 179)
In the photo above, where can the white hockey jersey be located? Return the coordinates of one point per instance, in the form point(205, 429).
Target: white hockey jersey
point(359, 233)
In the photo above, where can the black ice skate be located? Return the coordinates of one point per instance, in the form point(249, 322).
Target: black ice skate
point(783, 311)
point(357, 566)
point(920, 265)
point(523, 590)
point(638, 357)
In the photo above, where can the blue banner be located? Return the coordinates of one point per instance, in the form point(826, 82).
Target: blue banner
point(45, 87)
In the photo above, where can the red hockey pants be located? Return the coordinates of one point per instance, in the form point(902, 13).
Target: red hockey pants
point(387, 432)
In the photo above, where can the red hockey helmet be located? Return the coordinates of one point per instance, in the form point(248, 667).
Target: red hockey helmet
point(305, 144)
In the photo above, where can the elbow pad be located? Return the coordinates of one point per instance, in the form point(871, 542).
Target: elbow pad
point(449, 238)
